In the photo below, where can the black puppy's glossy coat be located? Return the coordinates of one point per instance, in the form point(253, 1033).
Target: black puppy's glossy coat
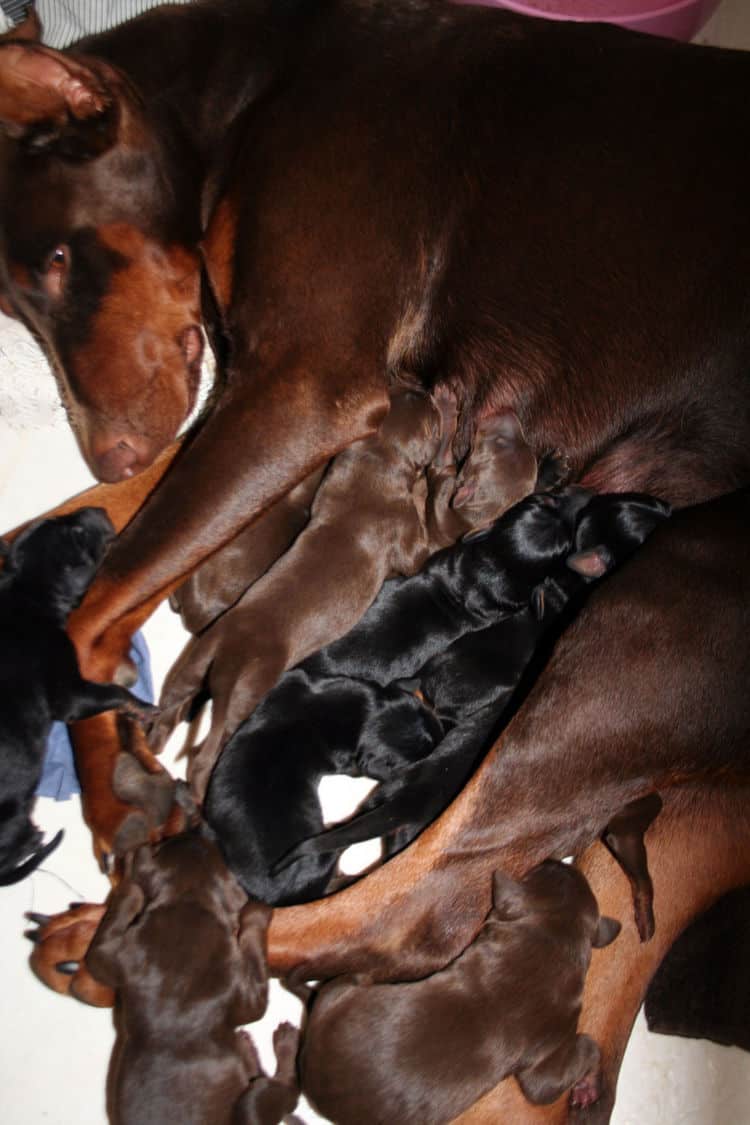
point(47, 570)
point(493, 588)
point(262, 796)
point(472, 683)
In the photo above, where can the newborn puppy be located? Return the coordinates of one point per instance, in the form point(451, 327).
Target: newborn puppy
point(421, 1053)
point(224, 577)
point(371, 519)
point(471, 684)
point(262, 796)
point(47, 570)
point(488, 576)
point(185, 951)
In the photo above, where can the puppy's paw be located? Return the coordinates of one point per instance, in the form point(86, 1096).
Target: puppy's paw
point(60, 945)
point(145, 714)
point(286, 1040)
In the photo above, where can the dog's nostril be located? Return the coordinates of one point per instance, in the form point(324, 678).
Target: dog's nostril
point(191, 344)
point(118, 462)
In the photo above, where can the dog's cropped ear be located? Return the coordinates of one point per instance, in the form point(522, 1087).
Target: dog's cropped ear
point(592, 563)
point(55, 102)
point(509, 901)
point(606, 931)
point(103, 957)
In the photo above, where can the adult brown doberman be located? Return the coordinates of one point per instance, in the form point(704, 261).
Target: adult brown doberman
point(380, 194)
point(550, 218)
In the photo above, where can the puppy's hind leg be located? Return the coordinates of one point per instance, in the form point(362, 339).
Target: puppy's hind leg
point(269, 1100)
point(574, 1065)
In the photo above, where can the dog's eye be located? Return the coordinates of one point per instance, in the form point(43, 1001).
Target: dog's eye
point(55, 270)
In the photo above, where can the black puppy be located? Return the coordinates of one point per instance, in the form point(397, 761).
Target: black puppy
point(472, 682)
point(461, 590)
point(262, 796)
point(263, 791)
point(47, 570)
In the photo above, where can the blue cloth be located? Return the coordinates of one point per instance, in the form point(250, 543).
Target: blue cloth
point(59, 779)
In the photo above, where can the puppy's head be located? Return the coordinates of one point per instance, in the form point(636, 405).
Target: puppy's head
point(611, 527)
point(412, 426)
point(181, 915)
point(54, 560)
point(500, 470)
point(554, 892)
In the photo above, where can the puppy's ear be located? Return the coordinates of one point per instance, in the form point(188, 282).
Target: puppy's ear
point(606, 932)
point(508, 897)
point(103, 958)
point(593, 563)
point(4, 549)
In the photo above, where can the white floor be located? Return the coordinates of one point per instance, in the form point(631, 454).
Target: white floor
point(54, 1051)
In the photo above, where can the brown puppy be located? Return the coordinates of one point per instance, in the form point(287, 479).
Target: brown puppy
point(185, 951)
point(422, 1052)
point(384, 506)
point(224, 577)
point(352, 244)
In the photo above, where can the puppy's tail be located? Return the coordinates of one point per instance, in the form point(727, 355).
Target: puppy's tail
point(16, 874)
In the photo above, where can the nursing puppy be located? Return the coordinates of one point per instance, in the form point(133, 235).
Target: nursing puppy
point(471, 684)
point(185, 951)
point(47, 570)
point(384, 506)
point(420, 1053)
point(262, 796)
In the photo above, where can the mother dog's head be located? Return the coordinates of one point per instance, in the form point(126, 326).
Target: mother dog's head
point(99, 232)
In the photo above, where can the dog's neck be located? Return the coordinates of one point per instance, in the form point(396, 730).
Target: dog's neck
point(174, 67)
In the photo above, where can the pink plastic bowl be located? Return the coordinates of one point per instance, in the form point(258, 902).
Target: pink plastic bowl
point(676, 20)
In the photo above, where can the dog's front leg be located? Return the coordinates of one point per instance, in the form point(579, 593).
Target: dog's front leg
point(237, 466)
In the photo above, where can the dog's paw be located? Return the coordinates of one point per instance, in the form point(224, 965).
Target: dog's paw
point(60, 945)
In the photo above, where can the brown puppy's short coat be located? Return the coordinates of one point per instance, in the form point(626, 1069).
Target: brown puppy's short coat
point(186, 952)
point(420, 1053)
